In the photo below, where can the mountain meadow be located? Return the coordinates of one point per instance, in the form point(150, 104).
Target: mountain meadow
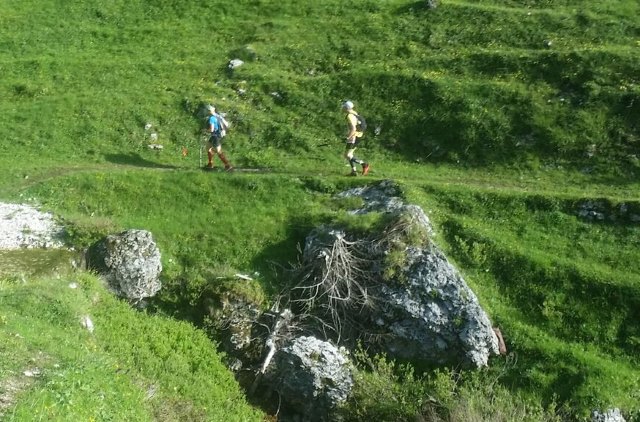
point(514, 125)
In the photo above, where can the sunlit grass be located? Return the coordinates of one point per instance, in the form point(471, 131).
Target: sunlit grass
point(499, 118)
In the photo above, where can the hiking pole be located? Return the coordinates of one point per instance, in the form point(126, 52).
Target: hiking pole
point(202, 143)
point(324, 144)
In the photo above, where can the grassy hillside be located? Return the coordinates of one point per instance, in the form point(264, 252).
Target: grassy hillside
point(132, 366)
point(500, 118)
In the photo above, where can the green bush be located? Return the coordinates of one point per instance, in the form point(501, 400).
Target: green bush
point(389, 391)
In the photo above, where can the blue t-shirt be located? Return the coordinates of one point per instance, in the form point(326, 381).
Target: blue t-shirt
point(213, 120)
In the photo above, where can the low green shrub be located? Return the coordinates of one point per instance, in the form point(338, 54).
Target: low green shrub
point(131, 366)
point(386, 390)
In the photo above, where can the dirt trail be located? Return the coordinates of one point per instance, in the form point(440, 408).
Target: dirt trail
point(491, 184)
point(9, 390)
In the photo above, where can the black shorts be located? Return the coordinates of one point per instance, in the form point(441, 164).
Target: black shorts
point(352, 145)
point(215, 140)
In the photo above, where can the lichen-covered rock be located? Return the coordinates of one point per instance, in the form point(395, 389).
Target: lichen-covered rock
point(433, 315)
point(383, 197)
point(129, 262)
point(424, 310)
point(235, 320)
point(312, 376)
point(23, 226)
point(431, 4)
point(611, 415)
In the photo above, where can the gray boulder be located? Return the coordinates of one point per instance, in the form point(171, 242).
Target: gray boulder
point(129, 262)
point(611, 415)
point(382, 197)
point(235, 63)
point(234, 320)
point(592, 211)
point(312, 376)
point(433, 315)
point(426, 311)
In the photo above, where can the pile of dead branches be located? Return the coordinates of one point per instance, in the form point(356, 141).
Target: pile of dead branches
point(334, 281)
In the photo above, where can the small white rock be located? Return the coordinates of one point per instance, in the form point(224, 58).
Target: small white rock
point(31, 372)
point(235, 63)
point(87, 323)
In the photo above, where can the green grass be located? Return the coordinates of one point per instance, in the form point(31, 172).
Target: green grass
point(132, 367)
point(499, 118)
point(565, 291)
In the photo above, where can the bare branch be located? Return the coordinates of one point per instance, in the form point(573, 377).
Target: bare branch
point(335, 279)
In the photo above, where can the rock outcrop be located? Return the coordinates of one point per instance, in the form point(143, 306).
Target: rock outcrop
point(129, 262)
point(433, 316)
point(611, 415)
point(312, 376)
point(423, 310)
point(391, 288)
point(23, 226)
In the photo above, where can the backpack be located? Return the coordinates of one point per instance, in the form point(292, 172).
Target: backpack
point(362, 123)
point(223, 125)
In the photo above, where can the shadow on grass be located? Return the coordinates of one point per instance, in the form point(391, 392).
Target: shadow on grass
point(277, 261)
point(182, 298)
point(135, 160)
point(566, 301)
point(565, 380)
point(416, 7)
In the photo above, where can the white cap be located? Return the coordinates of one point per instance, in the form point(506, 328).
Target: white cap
point(211, 107)
point(348, 105)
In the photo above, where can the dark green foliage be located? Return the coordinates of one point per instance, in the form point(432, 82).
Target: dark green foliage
point(386, 391)
point(390, 391)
